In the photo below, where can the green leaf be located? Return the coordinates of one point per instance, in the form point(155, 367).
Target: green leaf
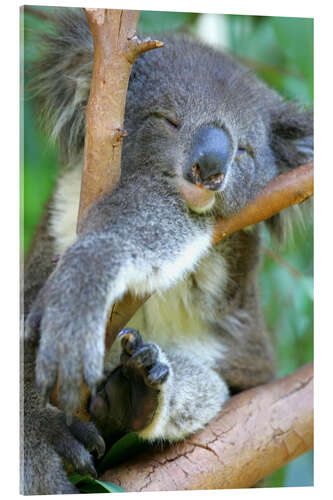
point(76, 478)
point(127, 447)
point(276, 479)
point(111, 487)
point(87, 484)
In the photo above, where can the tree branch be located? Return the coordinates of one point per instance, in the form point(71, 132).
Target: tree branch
point(116, 46)
point(257, 432)
point(282, 192)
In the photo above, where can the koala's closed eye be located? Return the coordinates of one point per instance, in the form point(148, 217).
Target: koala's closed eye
point(171, 121)
point(245, 148)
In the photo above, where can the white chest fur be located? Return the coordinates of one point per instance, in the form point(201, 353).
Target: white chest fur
point(175, 319)
point(65, 209)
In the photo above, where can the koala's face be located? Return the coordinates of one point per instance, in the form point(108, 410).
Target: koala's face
point(201, 119)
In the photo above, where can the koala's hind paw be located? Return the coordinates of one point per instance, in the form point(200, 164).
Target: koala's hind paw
point(86, 433)
point(142, 357)
point(51, 448)
point(76, 443)
point(128, 399)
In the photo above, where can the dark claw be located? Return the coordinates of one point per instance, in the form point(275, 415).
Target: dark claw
point(69, 420)
point(131, 340)
point(100, 447)
point(87, 470)
point(144, 357)
point(158, 374)
point(87, 434)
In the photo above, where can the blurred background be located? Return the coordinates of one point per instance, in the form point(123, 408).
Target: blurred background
point(279, 50)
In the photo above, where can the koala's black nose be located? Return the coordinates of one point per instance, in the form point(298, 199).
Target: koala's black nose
point(209, 157)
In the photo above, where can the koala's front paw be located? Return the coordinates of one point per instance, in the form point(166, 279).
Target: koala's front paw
point(128, 399)
point(68, 319)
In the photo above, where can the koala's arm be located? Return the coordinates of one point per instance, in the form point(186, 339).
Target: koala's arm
point(46, 439)
point(118, 250)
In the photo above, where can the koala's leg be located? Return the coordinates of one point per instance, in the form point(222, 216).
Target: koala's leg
point(191, 397)
point(157, 394)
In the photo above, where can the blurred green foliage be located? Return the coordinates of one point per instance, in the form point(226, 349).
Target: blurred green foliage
point(280, 50)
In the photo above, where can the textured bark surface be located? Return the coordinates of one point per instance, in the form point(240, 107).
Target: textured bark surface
point(116, 46)
point(257, 432)
point(282, 192)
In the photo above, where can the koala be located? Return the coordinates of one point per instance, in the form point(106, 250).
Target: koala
point(196, 119)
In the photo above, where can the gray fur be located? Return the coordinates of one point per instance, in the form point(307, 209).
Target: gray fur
point(144, 238)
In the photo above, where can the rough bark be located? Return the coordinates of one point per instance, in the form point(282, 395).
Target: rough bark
point(257, 432)
point(116, 46)
point(282, 192)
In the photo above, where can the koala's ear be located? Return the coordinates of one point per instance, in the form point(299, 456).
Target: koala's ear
point(292, 145)
point(291, 136)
